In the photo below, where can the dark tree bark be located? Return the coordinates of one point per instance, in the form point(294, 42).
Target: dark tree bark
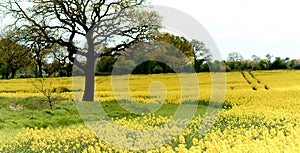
point(13, 73)
point(6, 76)
point(39, 73)
point(89, 82)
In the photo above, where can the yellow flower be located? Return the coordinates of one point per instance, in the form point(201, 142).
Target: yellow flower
point(85, 151)
point(181, 139)
point(195, 141)
point(91, 149)
point(272, 132)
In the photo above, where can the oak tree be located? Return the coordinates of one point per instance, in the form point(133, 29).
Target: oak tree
point(85, 27)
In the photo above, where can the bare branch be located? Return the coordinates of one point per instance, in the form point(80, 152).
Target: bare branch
point(47, 90)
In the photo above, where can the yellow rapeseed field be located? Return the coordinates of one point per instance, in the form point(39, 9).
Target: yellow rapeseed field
point(265, 116)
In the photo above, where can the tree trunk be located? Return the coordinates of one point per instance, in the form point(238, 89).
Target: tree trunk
point(39, 69)
point(89, 73)
point(6, 74)
point(13, 73)
point(69, 69)
point(51, 104)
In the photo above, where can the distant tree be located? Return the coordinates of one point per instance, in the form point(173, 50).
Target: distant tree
point(59, 61)
point(217, 66)
point(124, 65)
point(205, 67)
point(13, 57)
point(295, 64)
point(255, 58)
point(157, 57)
point(194, 51)
point(55, 69)
point(200, 51)
point(105, 64)
point(263, 64)
point(269, 59)
point(254, 62)
point(245, 65)
point(180, 43)
point(37, 45)
point(202, 55)
point(234, 61)
point(279, 63)
point(149, 67)
point(40, 50)
point(172, 48)
point(287, 61)
point(234, 57)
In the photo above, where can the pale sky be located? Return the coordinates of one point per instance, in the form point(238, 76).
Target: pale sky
point(247, 26)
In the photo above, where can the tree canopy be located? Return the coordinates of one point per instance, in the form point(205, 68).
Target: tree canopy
point(85, 27)
point(13, 57)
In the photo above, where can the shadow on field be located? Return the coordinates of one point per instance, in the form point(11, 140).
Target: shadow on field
point(30, 112)
point(115, 110)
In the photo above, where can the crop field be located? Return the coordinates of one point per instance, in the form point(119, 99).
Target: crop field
point(260, 114)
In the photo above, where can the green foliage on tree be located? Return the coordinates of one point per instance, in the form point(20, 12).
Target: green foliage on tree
point(279, 63)
point(294, 64)
point(13, 58)
point(172, 48)
point(236, 63)
point(180, 43)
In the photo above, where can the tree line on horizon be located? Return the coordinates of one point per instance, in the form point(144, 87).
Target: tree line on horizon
point(21, 62)
point(236, 62)
point(42, 60)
